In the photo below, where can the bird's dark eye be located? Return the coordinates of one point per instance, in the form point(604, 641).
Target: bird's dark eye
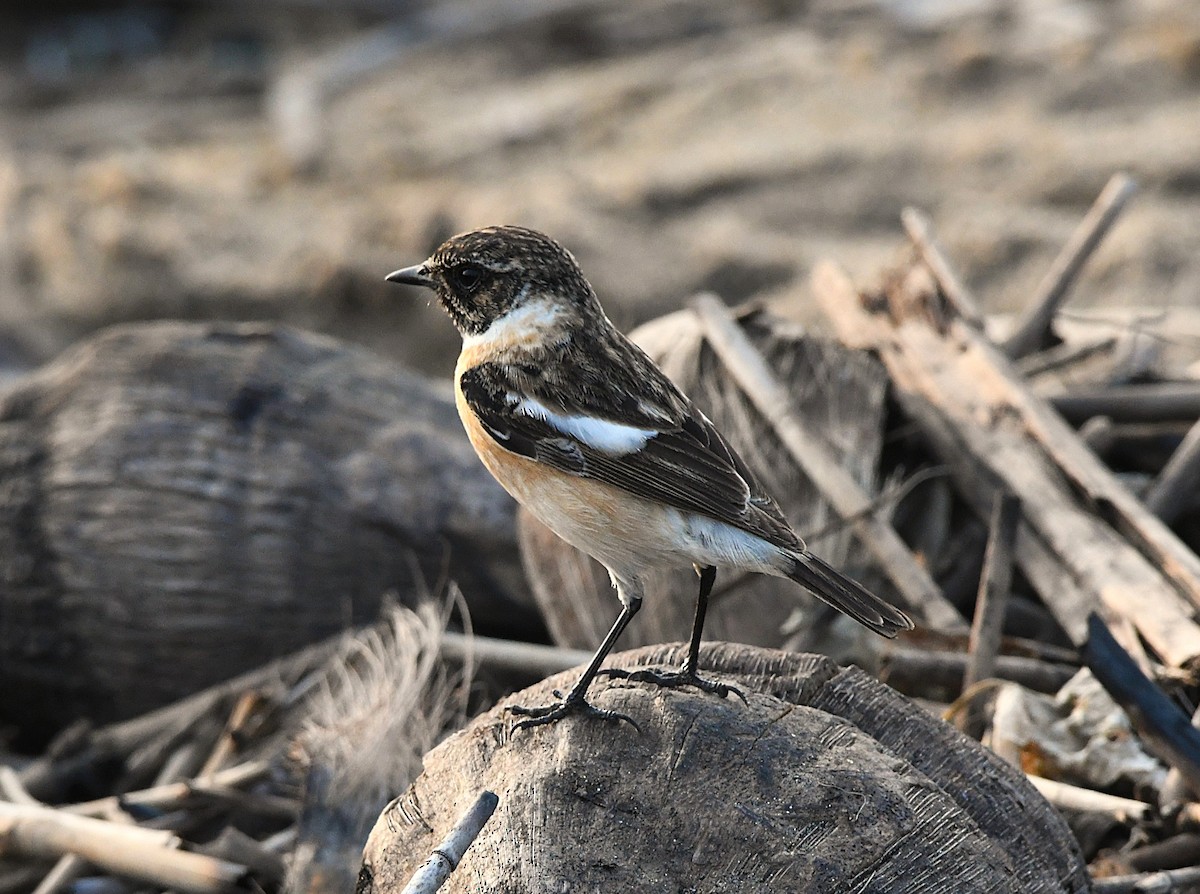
point(468, 277)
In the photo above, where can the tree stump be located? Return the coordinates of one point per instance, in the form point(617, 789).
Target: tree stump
point(840, 392)
point(826, 781)
point(184, 502)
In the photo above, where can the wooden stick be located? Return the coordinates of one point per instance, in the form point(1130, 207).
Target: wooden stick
point(1100, 434)
point(1064, 355)
point(1166, 731)
point(1085, 541)
point(994, 585)
point(172, 793)
point(1033, 325)
point(445, 859)
point(1154, 402)
point(920, 231)
point(1182, 849)
point(227, 743)
point(932, 672)
point(44, 779)
point(12, 789)
point(1072, 797)
point(511, 655)
point(68, 868)
point(144, 854)
point(1174, 490)
point(768, 394)
point(1164, 881)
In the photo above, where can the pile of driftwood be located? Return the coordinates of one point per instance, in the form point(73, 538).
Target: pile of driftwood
point(1030, 497)
point(1083, 454)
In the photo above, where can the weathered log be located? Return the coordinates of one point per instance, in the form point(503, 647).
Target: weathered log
point(183, 502)
point(1084, 542)
point(840, 394)
point(930, 673)
point(1152, 402)
point(824, 781)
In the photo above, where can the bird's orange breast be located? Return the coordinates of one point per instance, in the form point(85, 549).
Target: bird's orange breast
point(597, 518)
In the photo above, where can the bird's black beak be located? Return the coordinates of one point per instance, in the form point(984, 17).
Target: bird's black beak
point(411, 276)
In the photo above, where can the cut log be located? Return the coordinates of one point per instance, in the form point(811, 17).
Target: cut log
point(184, 502)
point(824, 781)
point(1085, 542)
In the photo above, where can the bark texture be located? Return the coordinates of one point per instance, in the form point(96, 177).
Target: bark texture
point(826, 781)
point(183, 502)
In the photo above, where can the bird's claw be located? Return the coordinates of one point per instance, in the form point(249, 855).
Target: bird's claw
point(542, 714)
point(674, 680)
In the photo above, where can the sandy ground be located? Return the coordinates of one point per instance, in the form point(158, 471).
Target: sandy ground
point(672, 146)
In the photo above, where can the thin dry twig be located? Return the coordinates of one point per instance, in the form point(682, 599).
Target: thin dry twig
point(920, 231)
point(1030, 330)
point(1064, 355)
point(65, 872)
point(505, 654)
point(994, 586)
point(1072, 797)
point(145, 854)
point(446, 857)
point(1174, 490)
point(1163, 881)
point(167, 795)
point(227, 744)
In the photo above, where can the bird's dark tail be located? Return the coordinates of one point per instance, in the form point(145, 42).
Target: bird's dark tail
point(846, 595)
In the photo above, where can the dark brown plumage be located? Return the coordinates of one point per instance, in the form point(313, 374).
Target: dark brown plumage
point(579, 424)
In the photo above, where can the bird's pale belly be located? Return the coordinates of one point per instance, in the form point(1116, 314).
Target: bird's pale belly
point(620, 530)
point(627, 534)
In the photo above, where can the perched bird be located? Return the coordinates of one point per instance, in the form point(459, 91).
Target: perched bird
point(582, 428)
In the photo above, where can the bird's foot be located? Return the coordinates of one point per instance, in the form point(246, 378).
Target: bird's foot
point(673, 680)
point(543, 714)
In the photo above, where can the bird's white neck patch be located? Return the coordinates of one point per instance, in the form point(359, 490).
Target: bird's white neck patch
point(528, 321)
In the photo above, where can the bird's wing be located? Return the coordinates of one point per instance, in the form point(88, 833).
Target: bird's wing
point(670, 455)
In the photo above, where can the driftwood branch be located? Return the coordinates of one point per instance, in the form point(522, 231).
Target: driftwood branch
point(502, 654)
point(166, 795)
point(445, 859)
point(994, 584)
point(920, 231)
point(131, 851)
point(921, 671)
point(1165, 729)
point(1150, 402)
point(1072, 797)
point(1085, 542)
point(1164, 881)
point(747, 366)
point(1174, 490)
point(1030, 331)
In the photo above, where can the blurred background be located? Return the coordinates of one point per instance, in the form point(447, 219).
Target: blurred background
point(274, 160)
point(181, 503)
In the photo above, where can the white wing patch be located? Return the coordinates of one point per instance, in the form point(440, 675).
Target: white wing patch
point(598, 434)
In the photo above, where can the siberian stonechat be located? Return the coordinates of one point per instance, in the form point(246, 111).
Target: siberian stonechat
point(581, 427)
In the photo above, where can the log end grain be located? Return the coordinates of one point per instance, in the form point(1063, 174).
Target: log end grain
point(825, 781)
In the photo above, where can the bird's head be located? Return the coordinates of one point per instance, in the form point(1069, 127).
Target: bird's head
point(485, 275)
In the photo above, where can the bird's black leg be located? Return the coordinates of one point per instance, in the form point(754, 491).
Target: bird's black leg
point(575, 703)
point(688, 674)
